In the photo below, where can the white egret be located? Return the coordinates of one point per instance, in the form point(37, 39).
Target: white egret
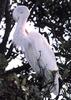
point(38, 52)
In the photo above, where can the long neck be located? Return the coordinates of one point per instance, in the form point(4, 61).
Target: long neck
point(21, 26)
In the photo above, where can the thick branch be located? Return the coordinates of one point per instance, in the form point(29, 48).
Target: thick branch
point(16, 70)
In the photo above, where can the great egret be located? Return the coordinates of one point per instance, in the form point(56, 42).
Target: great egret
point(38, 52)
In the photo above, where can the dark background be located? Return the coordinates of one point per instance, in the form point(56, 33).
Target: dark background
point(54, 14)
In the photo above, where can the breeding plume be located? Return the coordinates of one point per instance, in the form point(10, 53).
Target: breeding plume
point(38, 52)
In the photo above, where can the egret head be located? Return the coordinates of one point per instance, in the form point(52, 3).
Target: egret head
point(21, 11)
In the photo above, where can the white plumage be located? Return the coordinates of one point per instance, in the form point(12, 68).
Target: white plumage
point(37, 50)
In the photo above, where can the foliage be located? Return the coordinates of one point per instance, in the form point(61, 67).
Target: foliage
point(55, 15)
